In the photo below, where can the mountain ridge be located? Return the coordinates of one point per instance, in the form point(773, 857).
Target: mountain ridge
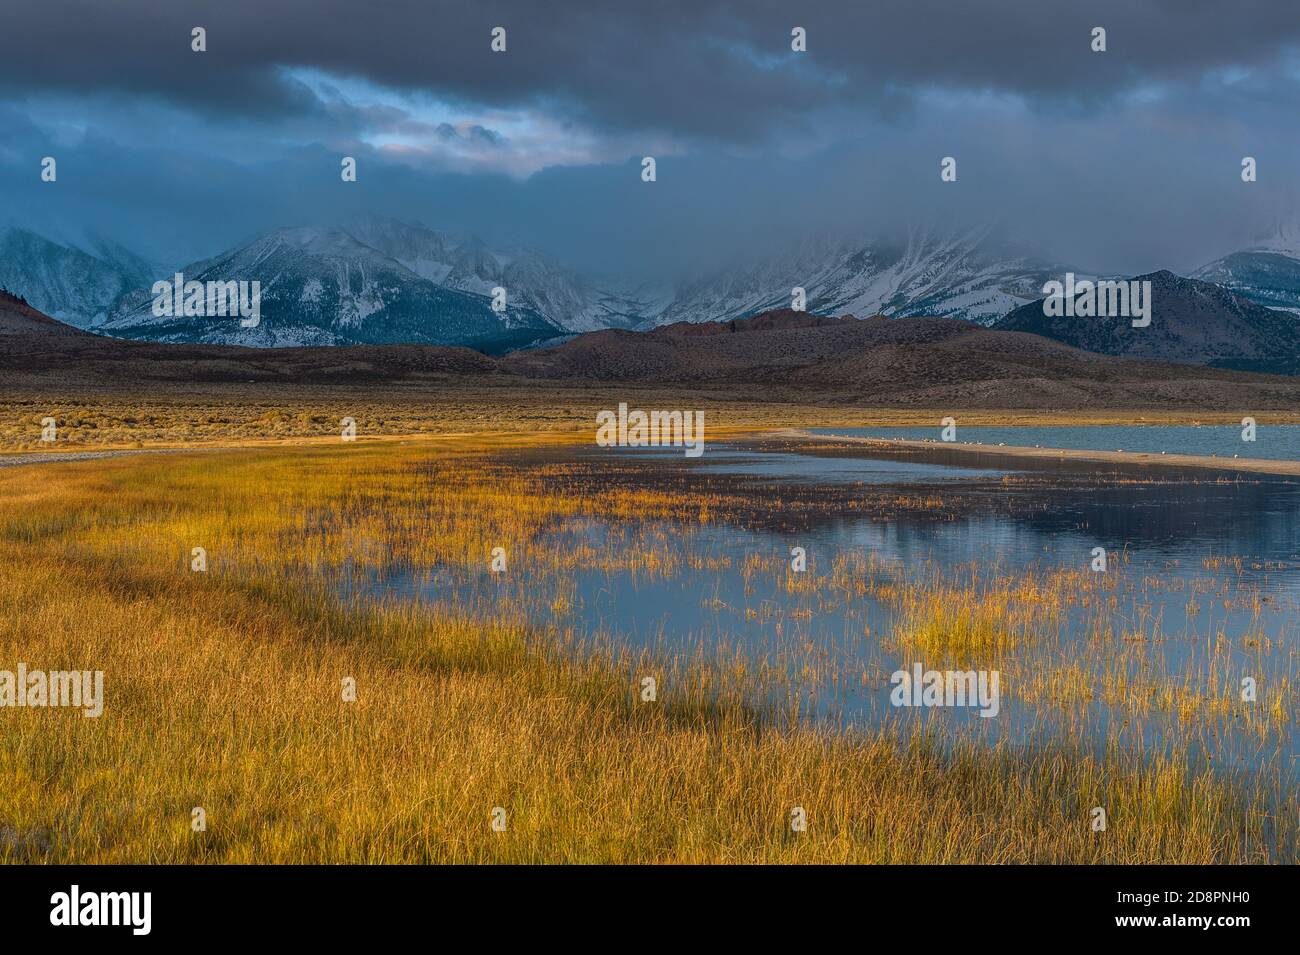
point(913, 362)
point(376, 279)
point(1192, 321)
point(322, 286)
point(949, 274)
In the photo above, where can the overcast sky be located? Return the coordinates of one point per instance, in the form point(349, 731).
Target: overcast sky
point(1125, 161)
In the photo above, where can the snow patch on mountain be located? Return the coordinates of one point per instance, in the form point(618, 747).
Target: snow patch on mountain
point(323, 285)
point(929, 273)
point(467, 264)
point(1267, 272)
point(62, 281)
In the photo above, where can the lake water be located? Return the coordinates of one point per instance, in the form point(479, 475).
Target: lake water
point(817, 469)
point(1272, 442)
point(1205, 573)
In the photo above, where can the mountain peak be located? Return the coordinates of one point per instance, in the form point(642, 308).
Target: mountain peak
point(777, 319)
point(316, 240)
point(1282, 238)
point(1191, 321)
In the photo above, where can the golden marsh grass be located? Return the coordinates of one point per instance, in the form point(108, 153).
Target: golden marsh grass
point(223, 691)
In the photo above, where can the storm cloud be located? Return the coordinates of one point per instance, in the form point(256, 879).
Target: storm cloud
point(1125, 160)
point(697, 68)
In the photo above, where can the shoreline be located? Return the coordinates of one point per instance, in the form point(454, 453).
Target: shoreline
point(1013, 453)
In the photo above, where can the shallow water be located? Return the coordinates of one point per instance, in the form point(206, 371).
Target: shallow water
point(1197, 566)
point(812, 468)
point(1272, 442)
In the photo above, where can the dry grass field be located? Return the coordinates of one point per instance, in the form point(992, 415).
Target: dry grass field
point(218, 415)
point(224, 688)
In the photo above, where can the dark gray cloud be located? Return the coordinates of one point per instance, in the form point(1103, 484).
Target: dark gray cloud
point(1124, 161)
point(712, 69)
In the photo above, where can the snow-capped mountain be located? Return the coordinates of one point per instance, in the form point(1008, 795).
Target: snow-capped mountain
point(136, 268)
point(373, 274)
point(1268, 272)
point(377, 279)
point(965, 275)
point(381, 280)
point(321, 286)
point(67, 283)
point(467, 264)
